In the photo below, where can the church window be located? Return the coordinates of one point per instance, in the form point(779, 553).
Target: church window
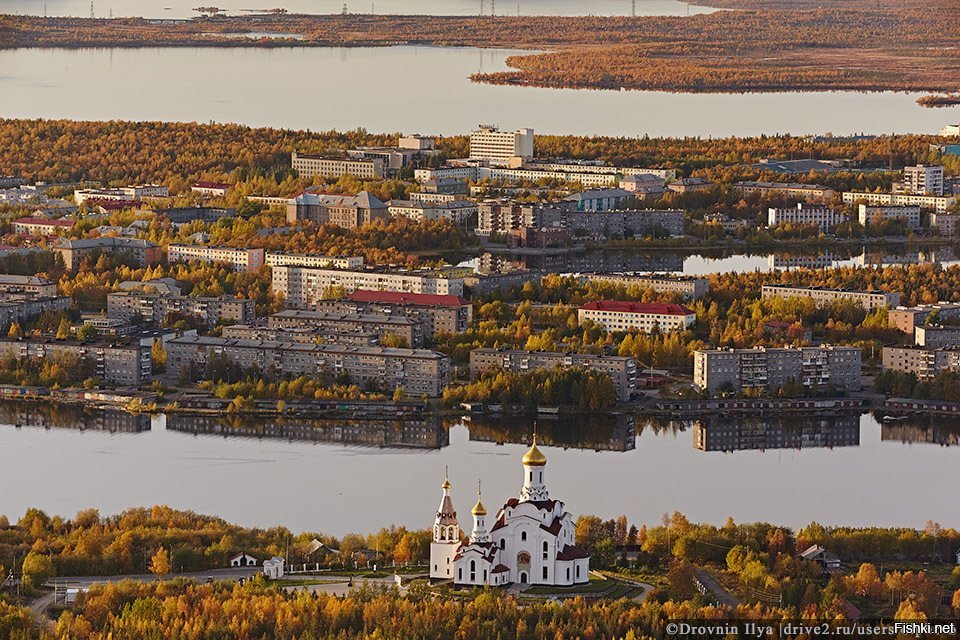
point(503, 543)
point(544, 573)
point(448, 559)
point(523, 535)
point(546, 549)
point(531, 476)
point(578, 571)
point(473, 565)
point(484, 575)
point(459, 574)
point(568, 573)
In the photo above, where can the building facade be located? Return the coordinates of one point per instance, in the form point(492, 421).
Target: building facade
point(141, 253)
point(27, 285)
point(690, 287)
point(614, 315)
point(940, 204)
point(347, 212)
point(823, 296)
point(909, 215)
point(488, 143)
point(121, 365)
point(155, 307)
point(382, 325)
point(284, 259)
point(923, 180)
point(310, 165)
point(239, 259)
point(824, 218)
point(302, 287)
point(765, 369)
point(441, 313)
point(923, 362)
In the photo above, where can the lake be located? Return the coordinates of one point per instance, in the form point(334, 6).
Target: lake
point(184, 8)
point(407, 89)
point(342, 477)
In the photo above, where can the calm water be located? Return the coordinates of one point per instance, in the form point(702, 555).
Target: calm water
point(410, 89)
point(184, 8)
point(848, 470)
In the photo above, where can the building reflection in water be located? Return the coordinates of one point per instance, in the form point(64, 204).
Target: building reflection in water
point(600, 432)
point(721, 433)
point(562, 260)
point(921, 430)
point(426, 433)
point(64, 416)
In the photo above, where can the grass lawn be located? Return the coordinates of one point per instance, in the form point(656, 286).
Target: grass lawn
point(596, 585)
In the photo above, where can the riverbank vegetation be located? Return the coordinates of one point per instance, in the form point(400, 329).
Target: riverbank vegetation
point(759, 47)
point(574, 386)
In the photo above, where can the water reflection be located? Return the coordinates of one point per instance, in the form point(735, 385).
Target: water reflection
point(427, 433)
point(725, 433)
point(63, 416)
point(599, 432)
point(917, 429)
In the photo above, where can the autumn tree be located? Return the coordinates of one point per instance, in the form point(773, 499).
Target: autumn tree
point(160, 563)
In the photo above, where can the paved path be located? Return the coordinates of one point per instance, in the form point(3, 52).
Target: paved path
point(710, 583)
point(337, 585)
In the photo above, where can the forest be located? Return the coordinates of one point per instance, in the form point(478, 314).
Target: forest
point(759, 47)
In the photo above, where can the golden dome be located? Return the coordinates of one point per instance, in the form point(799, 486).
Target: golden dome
point(446, 479)
point(534, 457)
point(446, 484)
point(479, 509)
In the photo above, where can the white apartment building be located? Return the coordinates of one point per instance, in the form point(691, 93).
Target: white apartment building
point(239, 259)
point(309, 165)
point(950, 130)
point(499, 147)
point(284, 259)
point(937, 203)
point(302, 286)
point(824, 217)
point(135, 192)
point(908, 214)
point(824, 296)
point(923, 180)
point(615, 315)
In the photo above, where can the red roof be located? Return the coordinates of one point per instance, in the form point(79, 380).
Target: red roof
point(638, 307)
point(399, 297)
point(45, 221)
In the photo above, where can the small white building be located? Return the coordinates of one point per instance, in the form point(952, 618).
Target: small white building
point(243, 560)
point(273, 568)
point(615, 315)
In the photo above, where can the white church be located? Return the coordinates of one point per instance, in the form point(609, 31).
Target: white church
point(530, 541)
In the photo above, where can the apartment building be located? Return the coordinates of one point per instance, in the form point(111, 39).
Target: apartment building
point(936, 336)
point(597, 167)
point(923, 362)
point(20, 308)
point(211, 189)
point(907, 319)
point(303, 287)
point(623, 223)
point(133, 193)
point(690, 287)
point(488, 143)
point(140, 253)
point(791, 189)
point(155, 307)
point(238, 259)
point(121, 365)
point(382, 325)
point(42, 226)
point(503, 216)
point(348, 212)
point(823, 296)
point(762, 368)
point(461, 212)
point(940, 204)
point(27, 286)
point(622, 370)
point(284, 259)
point(441, 313)
point(946, 224)
point(598, 199)
point(909, 215)
point(305, 335)
point(922, 180)
point(185, 215)
point(309, 165)
point(824, 218)
point(614, 315)
point(415, 371)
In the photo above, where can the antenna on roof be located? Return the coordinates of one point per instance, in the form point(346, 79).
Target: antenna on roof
point(91, 10)
point(633, 8)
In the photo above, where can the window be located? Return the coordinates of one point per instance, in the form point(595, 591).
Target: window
point(459, 574)
point(578, 571)
point(546, 549)
point(523, 535)
point(544, 573)
point(473, 565)
point(568, 573)
point(503, 543)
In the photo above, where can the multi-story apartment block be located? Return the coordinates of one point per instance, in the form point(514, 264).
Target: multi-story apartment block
point(381, 325)
point(184, 215)
point(824, 296)
point(239, 259)
point(122, 365)
point(27, 286)
point(42, 226)
point(936, 336)
point(598, 199)
point(503, 216)
point(414, 371)
point(305, 335)
point(940, 204)
point(922, 180)
point(622, 370)
point(140, 253)
point(284, 259)
point(622, 223)
point(909, 215)
point(20, 308)
point(440, 313)
point(762, 368)
point(614, 315)
point(734, 433)
point(824, 218)
point(946, 224)
point(500, 147)
point(597, 167)
point(303, 287)
point(348, 212)
point(461, 212)
point(907, 319)
point(309, 165)
point(155, 307)
point(792, 189)
point(923, 362)
point(136, 192)
point(690, 287)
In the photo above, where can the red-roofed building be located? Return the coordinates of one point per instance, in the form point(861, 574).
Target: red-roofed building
point(216, 189)
point(616, 315)
point(440, 313)
point(41, 226)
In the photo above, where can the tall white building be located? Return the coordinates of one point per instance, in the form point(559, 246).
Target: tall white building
point(499, 147)
point(923, 180)
point(446, 537)
point(823, 217)
point(529, 541)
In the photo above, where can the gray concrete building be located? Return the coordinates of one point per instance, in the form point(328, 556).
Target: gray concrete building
point(415, 371)
point(348, 212)
point(27, 286)
point(16, 308)
point(382, 325)
point(935, 336)
point(761, 368)
point(309, 165)
point(438, 313)
point(155, 307)
point(907, 319)
point(140, 253)
point(120, 365)
point(823, 296)
point(622, 370)
point(923, 362)
point(305, 335)
point(304, 287)
point(690, 287)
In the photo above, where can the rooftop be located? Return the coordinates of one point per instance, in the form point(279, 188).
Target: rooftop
point(398, 297)
point(638, 307)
